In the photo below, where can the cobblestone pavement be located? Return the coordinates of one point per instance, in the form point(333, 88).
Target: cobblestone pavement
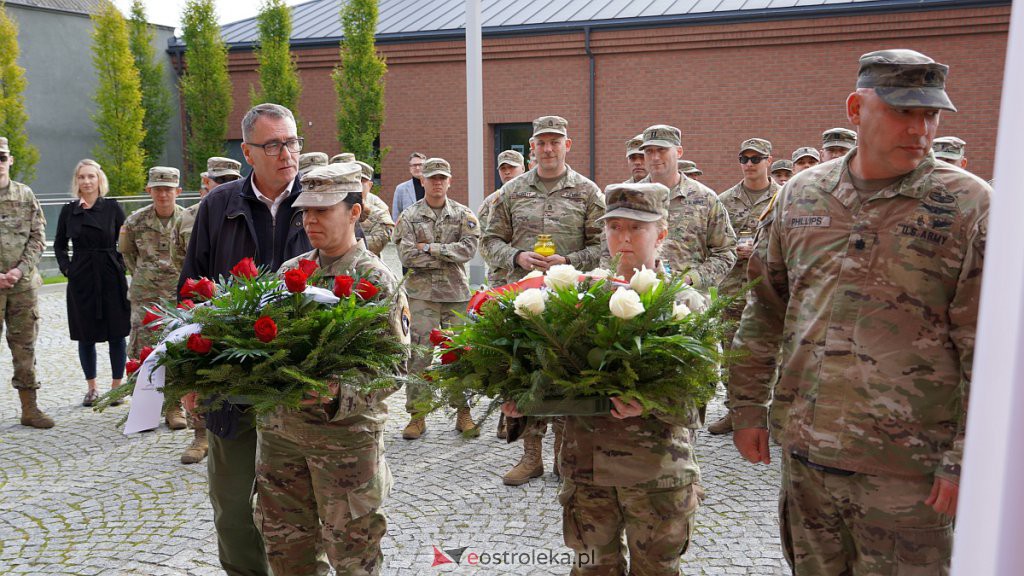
point(82, 498)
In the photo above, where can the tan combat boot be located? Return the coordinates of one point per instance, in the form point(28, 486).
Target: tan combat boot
point(414, 429)
point(559, 427)
point(196, 451)
point(723, 426)
point(464, 422)
point(31, 415)
point(530, 466)
point(175, 418)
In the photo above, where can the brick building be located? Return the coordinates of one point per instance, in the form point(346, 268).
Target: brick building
point(721, 70)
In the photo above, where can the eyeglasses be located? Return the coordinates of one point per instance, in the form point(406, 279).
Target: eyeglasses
point(416, 165)
point(752, 159)
point(273, 148)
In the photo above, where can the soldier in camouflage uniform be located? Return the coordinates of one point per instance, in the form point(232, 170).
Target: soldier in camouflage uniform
point(310, 160)
point(805, 157)
point(554, 199)
point(436, 236)
point(22, 240)
point(744, 202)
point(510, 165)
point(343, 158)
point(782, 171)
point(836, 142)
point(321, 476)
point(689, 168)
point(635, 159)
point(701, 242)
point(153, 259)
point(952, 150)
point(872, 275)
point(631, 473)
point(378, 227)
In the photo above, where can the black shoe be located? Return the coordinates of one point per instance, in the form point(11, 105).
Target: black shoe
point(90, 398)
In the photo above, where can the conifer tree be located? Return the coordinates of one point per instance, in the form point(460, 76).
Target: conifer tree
point(12, 102)
point(205, 86)
point(156, 99)
point(359, 83)
point(279, 78)
point(118, 99)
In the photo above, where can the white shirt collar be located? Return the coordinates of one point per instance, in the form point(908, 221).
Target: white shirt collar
point(274, 204)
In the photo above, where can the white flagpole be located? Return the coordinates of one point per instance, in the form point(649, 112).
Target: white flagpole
point(990, 516)
point(475, 120)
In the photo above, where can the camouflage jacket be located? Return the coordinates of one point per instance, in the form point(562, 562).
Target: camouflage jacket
point(353, 411)
point(439, 276)
point(495, 276)
point(378, 226)
point(875, 306)
point(523, 209)
point(700, 239)
point(151, 253)
point(743, 215)
point(188, 220)
point(22, 235)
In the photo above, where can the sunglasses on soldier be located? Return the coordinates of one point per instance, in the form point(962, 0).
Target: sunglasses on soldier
point(223, 179)
point(753, 159)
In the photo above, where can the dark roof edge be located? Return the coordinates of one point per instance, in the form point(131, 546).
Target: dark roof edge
point(729, 17)
point(74, 13)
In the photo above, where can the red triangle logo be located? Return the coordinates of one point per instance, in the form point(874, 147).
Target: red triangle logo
point(440, 558)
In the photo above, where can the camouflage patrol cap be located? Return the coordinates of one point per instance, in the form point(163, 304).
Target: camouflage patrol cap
point(905, 78)
point(842, 137)
point(643, 201)
point(343, 157)
point(4, 146)
point(367, 170)
point(311, 160)
point(662, 135)
point(949, 148)
point(550, 125)
point(689, 167)
point(325, 186)
point(808, 151)
point(218, 166)
point(633, 145)
point(759, 145)
point(435, 166)
point(512, 158)
point(781, 165)
point(163, 176)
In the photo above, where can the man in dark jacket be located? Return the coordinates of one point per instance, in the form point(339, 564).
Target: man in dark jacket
point(252, 217)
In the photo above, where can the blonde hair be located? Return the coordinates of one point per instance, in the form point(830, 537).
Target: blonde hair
point(104, 184)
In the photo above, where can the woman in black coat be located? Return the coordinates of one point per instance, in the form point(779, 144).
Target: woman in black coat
point(98, 308)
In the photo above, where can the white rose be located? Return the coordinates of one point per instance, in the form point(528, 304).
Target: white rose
point(599, 273)
point(561, 276)
point(680, 311)
point(530, 302)
point(625, 304)
point(644, 280)
point(534, 274)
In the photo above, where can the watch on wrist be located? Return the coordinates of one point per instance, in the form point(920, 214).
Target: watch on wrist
point(426, 248)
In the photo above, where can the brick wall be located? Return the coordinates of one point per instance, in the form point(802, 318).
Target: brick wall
point(785, 80)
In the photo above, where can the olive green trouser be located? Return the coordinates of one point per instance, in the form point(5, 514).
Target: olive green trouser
point(231, 465)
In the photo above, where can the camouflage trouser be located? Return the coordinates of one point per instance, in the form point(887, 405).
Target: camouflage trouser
point(320, 486)
point(656, 523)
point(539, 426)
point(141, 335)
point(862, 524)
point(21, 315)
point(426, 316)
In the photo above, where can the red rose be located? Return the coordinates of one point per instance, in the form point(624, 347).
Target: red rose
point(198, 344)
point(151, 320)
point(450, 356)
point(132, 366)
point(188, 288)
point(205, 288)
point(295, 280)
point(365, 289)
point(437, 337)
point(308, 266)
point(265, 328)
point(245, 268)
point(186, 305)
point(144, 353)
point(343, 286)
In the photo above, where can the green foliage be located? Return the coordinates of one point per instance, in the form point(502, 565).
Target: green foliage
point(279, 77)
point(156, 99)
point(577, 349)
point(118, 99)
point(359, 83)
point(350, 342)
point(12, 102)
point(205, 87)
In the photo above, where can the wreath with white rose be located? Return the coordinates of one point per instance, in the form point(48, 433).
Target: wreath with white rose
point(567, 335)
